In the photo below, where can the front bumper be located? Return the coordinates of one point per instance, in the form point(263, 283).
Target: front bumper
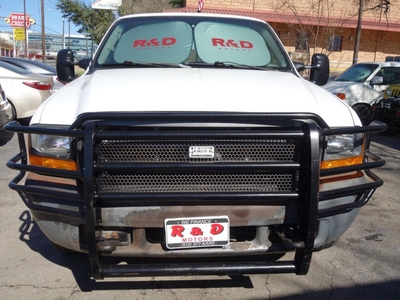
point(87, 211)
point(5, 113)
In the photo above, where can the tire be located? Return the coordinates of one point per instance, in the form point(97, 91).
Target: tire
point(364, 112)
point(5, 136)
point(391, 130)
point(326, 246)
point(24, 121)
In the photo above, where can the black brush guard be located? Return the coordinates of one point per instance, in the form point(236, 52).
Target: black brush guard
point(305, 130)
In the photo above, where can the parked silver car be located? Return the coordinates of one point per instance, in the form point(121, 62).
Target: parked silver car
point(35, 67)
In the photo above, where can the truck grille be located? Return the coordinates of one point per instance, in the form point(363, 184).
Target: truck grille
point(177, 151)
point(183, 173)
point(145, 183)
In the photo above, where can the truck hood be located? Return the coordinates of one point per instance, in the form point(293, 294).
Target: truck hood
point(190, 89)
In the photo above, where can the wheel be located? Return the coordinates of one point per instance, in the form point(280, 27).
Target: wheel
point(13, 111)
point(6, 136)
point(364, 112)
point(326, 246)
point(392, 130)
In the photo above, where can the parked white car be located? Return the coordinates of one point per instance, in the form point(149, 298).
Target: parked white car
point(25, 90)
point(362, 84)
point(5, 109)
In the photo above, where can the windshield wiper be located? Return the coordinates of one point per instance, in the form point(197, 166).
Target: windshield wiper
point(129, 63)
point(228, 64)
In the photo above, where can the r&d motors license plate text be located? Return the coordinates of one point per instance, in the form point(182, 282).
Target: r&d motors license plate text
point(197, 232)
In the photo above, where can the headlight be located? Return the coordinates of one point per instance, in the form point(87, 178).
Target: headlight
point(340, 144)
point(342, 150)
point(388, 92)
point(51, 145)
point(51, 151)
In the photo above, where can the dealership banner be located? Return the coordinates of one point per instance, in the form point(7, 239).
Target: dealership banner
point(106, 4)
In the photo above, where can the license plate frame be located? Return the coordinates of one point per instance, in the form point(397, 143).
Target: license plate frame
point(196, 232)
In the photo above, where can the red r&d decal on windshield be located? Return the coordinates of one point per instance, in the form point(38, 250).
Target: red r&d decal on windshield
point(231, 43)
point(164, 42)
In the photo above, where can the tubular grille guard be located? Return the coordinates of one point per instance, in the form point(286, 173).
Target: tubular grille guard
point(300, 161)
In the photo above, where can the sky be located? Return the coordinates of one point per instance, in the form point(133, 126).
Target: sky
point(53, 17)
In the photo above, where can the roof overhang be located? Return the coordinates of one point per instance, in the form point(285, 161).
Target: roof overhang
point(277, 17)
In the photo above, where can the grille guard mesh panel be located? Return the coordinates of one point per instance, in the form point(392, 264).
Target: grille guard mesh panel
point(145, 183)
point(177, 151)
point(197, 179)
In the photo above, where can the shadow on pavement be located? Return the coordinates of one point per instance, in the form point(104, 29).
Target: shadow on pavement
point(374, 291)
point(78, 263)
point(388, 141)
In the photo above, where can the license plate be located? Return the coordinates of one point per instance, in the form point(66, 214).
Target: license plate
point(205, 232)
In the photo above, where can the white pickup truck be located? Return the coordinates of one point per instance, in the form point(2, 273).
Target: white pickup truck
point(192, 146)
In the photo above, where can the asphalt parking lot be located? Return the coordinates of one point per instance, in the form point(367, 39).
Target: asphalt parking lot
point(364, 264)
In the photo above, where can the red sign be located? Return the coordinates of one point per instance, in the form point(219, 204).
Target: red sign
point(17, 20)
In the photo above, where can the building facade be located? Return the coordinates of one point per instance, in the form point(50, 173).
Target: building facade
point(321, 26)
point(81, 45)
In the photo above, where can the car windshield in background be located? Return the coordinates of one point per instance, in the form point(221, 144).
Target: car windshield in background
point(357, 73)
point(192, 42)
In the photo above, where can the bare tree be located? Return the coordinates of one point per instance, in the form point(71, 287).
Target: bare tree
point(5, 45)
point(144, 6)
point(328, 20)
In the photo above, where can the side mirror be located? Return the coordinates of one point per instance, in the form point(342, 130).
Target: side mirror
point(319, 69)
point(84, 63)
point(65, 65)
point(299, 66)
point(376, 80)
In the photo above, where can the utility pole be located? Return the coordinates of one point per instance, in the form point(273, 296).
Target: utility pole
point(26, 36)
point(43, 33)
point(358, 32)
point(63, 36)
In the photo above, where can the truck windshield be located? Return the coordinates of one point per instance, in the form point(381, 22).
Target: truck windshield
point(191, 41)
point(357, 72)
